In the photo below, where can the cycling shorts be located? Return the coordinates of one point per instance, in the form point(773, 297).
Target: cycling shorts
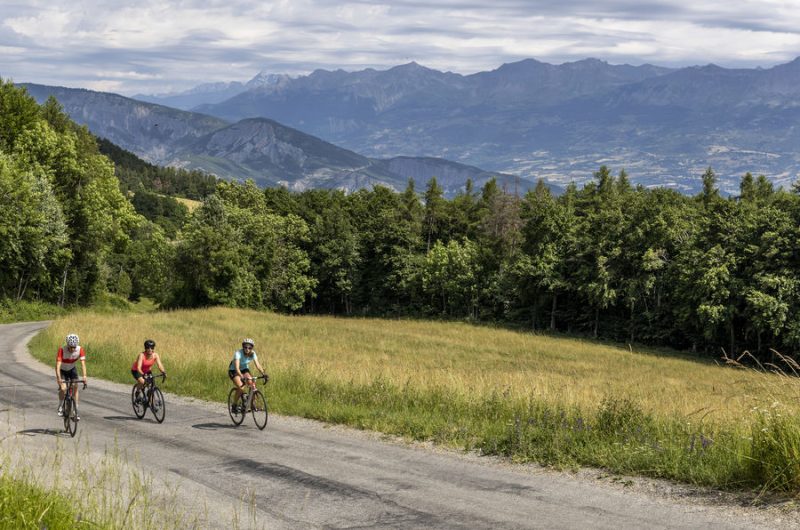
point(69, 375)
point(136, 374)
point(232, 373)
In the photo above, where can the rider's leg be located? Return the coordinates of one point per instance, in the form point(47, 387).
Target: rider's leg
point(239, 387)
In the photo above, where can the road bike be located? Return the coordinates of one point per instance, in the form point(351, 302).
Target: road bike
point(70, 408)
point(149, 397)
point(252, 400)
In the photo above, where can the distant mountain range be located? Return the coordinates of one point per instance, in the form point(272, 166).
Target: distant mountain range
point(529, 118)
point(561, 122)
point(257, 148)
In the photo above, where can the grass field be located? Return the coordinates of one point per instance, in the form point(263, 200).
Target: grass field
point(558, 401)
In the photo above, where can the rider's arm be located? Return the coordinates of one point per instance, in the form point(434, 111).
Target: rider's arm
point(258, 365)
point(158, 362)
point(139, 363)
point(83, 368)
point(58, 365)
point(236, 366)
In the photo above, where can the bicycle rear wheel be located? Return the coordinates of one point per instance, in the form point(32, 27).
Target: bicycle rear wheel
point(72, 421)
point(236, 407)
point(157, 405)
point(259, 408)
point(138, 402)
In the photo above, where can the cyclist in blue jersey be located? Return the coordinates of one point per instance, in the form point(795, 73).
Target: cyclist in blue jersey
point(239, 369)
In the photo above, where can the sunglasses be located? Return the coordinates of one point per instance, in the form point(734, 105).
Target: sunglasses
point(247, 347)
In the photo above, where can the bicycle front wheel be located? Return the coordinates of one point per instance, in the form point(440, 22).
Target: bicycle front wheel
point(138, 402)
point(72, 428)
point(235, 407)
point(67, 410)
point(157, 405)
point(259, 409)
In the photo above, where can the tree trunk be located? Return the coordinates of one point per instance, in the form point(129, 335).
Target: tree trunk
point(733, 343)
point(596, 321)
point(22, 286)
point(553, 312)
point(63, 287)
point(631, 324)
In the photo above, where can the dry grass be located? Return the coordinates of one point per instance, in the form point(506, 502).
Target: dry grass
point(189, 203)
point(461, 358)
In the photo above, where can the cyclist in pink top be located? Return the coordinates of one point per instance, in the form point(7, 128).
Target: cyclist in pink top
point(144, 363)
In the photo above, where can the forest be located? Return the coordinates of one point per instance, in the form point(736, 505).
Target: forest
point(83, 219)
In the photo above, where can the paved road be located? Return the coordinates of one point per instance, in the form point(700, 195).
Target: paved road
point(307, 476)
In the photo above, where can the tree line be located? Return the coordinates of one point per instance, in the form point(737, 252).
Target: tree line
point(608, 260)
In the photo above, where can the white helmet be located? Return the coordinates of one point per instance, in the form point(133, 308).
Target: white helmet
point(72, 340)
point(248, 341)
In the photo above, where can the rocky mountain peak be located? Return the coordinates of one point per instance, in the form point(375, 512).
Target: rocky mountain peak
point(265, 79)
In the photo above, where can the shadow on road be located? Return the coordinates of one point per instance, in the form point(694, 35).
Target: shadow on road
point(213, 426)
point(121, 418)
point(51, 432)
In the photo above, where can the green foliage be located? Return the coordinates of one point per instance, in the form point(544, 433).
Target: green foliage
point(164, 211)
point(450, 275)
point(25, 311)
point(234, 252)
point(136, 175)
point(24, 505)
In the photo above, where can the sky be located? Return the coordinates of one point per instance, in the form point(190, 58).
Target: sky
point(153, 47)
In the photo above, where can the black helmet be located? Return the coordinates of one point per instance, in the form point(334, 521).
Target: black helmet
point(149, 343)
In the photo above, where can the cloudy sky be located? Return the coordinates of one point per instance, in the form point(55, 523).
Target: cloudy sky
point(156, 46)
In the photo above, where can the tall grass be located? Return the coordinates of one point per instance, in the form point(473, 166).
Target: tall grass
point(558, 401)
point(69, 489)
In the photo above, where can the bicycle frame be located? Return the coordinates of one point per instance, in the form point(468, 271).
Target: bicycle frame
point(69, 393)
point(153, 397)
point(70, 407)
point(239, 407)
point(150, 383)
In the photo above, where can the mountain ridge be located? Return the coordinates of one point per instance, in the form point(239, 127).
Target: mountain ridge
point(259, 148)
point(560, 122)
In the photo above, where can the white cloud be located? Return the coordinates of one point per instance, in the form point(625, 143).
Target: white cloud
point(152, 46)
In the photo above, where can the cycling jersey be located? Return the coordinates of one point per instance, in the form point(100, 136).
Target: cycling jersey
point(147, 364)
point(68, 358)
point(244, 360)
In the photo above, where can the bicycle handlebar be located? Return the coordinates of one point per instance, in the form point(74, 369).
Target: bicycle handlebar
point(162, 375)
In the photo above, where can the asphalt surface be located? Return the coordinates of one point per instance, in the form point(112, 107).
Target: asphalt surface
point(301, 474)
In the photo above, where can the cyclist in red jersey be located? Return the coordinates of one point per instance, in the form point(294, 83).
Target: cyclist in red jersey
point(144, 363)
point(67, 356)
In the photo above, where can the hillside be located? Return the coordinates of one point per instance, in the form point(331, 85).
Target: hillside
point(260, 149)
